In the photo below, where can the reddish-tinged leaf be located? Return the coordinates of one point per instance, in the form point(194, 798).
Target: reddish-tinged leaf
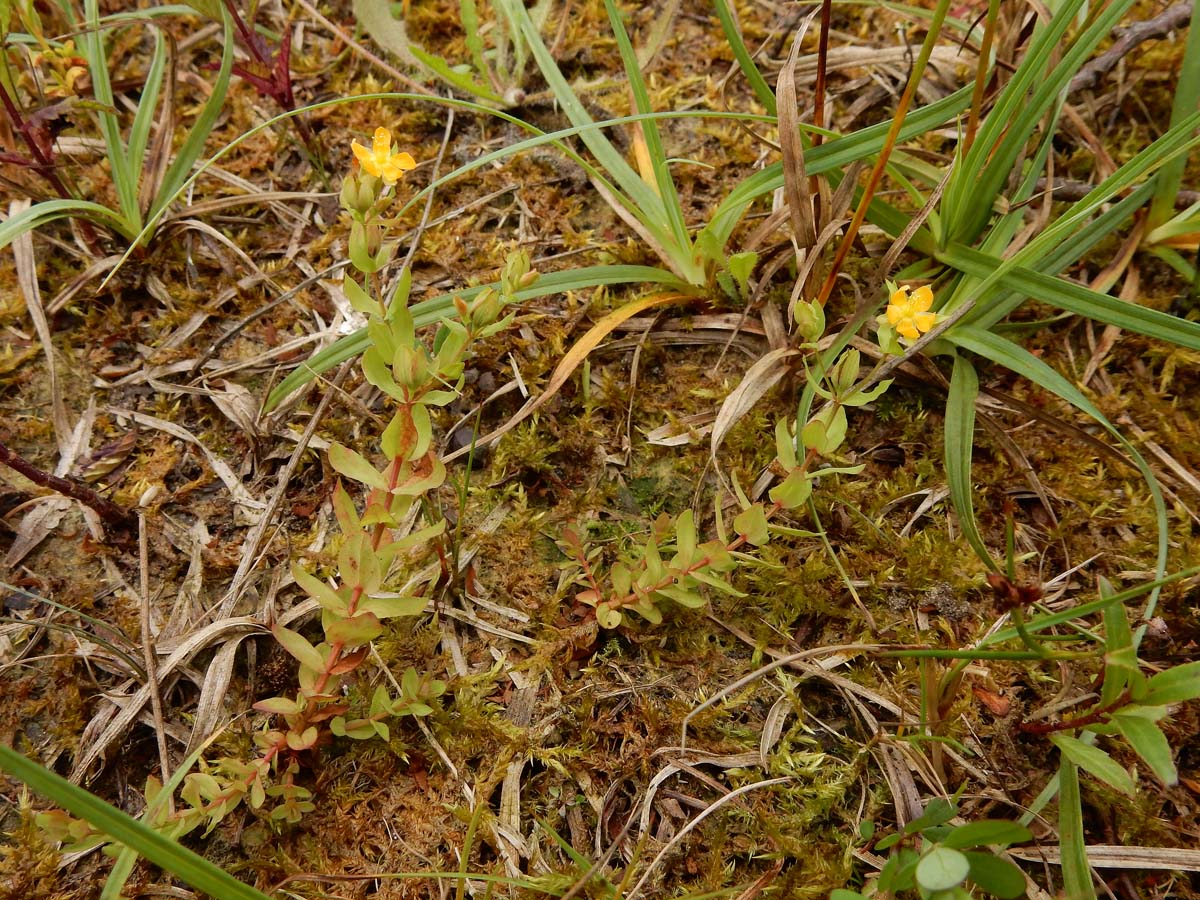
point(996, 704)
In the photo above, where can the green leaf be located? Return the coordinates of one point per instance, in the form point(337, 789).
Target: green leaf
point(741, 267)
point(387, 606)
point(1094, 761)
point(751, 523)
point(997, 876)
point(958, 446)
point(1176, 685)
point(355, 631)
point(986, 833)
point(295, 644)
point(1077, 874)
point(432, 311)
point(319, 590)
point(939, 811)
point(279, 706)
point(355, 467)
point(942, 869)
point(359, 298)
point(794, 491)
point(682, 596)
point(161, 851)
point(464, 81)
point(1148, 741)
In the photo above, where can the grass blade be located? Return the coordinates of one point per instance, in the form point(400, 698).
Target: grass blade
point(162, 851)
point(429, 312)
point(1186, 100)
point(1077, 875)
point(1018, 360)
point(959, 441)
point(668, 196)
point(197, 136)
point(733, 36)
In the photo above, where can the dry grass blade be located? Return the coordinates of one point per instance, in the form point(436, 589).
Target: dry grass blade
point(114, 721)
point(27, 281)
point(570, 362)
point(759, 378)
point(683, 832)
point(1115, 856)
point(248, 506)
point(795, 180)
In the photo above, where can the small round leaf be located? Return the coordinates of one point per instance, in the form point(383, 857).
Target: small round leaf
point(942, 869)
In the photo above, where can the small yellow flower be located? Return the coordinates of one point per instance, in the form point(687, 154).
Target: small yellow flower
point(380, 161)
point(909, 314)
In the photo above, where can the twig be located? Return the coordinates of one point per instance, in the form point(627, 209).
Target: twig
point(1127, 38)
point(107, 510)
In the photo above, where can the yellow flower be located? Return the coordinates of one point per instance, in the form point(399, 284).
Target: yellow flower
point(380, 161)
point(910, 315)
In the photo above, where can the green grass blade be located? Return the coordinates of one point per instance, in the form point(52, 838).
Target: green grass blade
point(428, 312)
point(668, 196)
point(124, 176)
point(733, 37)
point(143, 119)
point(959, 441)
point(1186, 86)
point(162, 851)
point(833, 155)
point(128, 856)
point(1025, 100)
point(640, 194)
point(192, 149)
point(1077, 299)
point(1077, 875)
point(1016, 359)
point(49, 210)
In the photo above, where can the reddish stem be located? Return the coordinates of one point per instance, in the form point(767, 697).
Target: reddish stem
point(107, 510)
point(1097, 715)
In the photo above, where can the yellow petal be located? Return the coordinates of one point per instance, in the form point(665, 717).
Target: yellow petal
point(361, 153)
point(404, 161)
point(894, 314)
point(908, 330)
point(922, 298)
point(925, 321)
point(381, 146)
point(900, 295)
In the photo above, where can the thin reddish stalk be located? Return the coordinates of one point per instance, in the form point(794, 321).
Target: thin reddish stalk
point(985, 49)
point(910, 90)
point(107, 510)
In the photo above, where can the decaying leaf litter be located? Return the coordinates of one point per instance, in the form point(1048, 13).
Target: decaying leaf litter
point(555, 733)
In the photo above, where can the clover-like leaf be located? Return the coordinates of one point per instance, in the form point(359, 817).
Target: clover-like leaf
point(607, 617)
point(942, 869)
point(303, 740)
